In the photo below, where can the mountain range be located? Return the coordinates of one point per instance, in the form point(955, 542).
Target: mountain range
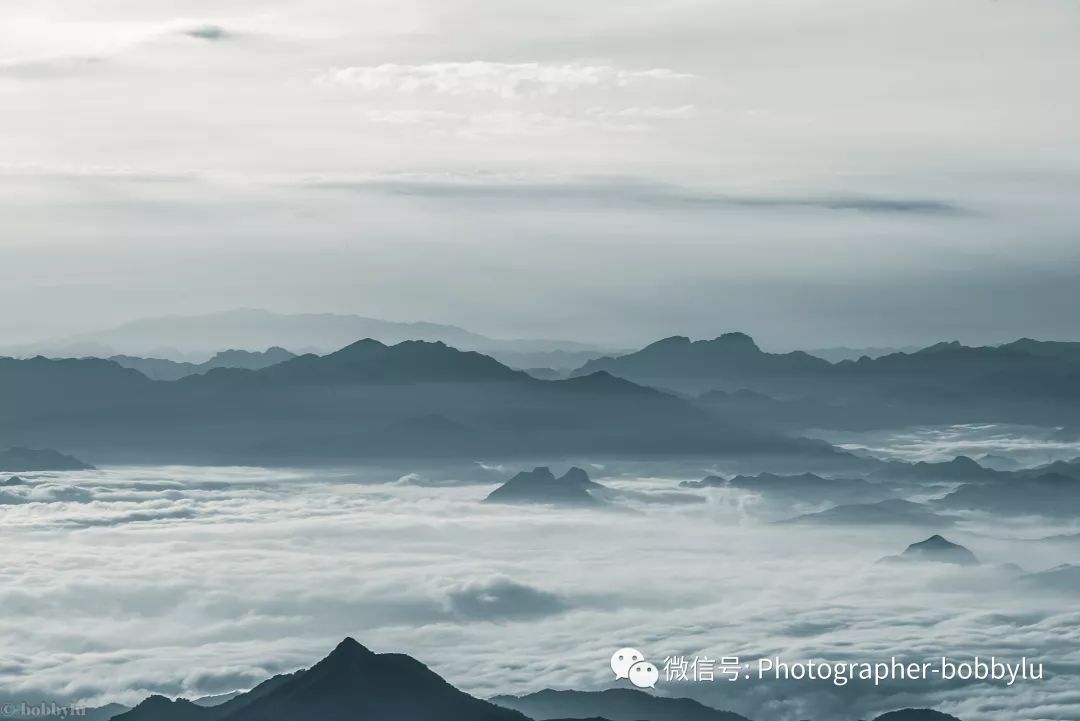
point(179, 338)
point(367, 400)
point(1026, 381)
point(163, 369)
point(803, 488)
point(39, 459)
point(356, 684)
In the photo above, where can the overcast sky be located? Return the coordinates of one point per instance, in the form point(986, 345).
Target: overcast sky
point(812, 172)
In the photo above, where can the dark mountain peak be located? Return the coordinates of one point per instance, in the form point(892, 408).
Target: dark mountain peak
point(730, 359)
point(576, 475)
point(160, 708)
point(362, 346)
point(350, 683)
point(354, 683)
point(13, 481)
point(964, 462)
point(675, 341)
point(943, 346)
point(916, 714)
point(541, 486)
point(348, 651)
point(960, 468)
point(604, 382)
point(937, 549)
point(372, 362)
point(737, 341)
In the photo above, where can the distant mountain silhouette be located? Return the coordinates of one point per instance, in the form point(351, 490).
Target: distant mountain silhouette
point(804, 488)
point(892, 512)
point(961, 468)
point(1026, 381)
point(912, 714)
point(1069, 469)
point(160, 708)
point(1064, 578)
point(622, 704)
point(1047, 494)
point(936, 549)
point(103, 713)
point(836, 354)
point(626, 704)
point(680, 363)
point(160, 369)
point(32, 459)
point(367, 400)
point(254, 329)
point(12, 481)
point(369, 361)
point(351, 684)
point(541, 486)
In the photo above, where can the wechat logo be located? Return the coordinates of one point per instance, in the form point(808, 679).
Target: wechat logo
point(629, 663)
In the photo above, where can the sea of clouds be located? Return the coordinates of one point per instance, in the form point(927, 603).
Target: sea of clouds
point(193, 581)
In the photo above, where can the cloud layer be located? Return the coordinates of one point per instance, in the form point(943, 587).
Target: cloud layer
point(505, 80)
point(200, 580)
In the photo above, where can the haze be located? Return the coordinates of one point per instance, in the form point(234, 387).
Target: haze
point(814, 173)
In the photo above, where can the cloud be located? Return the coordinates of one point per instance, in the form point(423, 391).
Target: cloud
point(208, 32)
point(681, 112)
point(501, 598)
point(627, 192)
point(113, 612)
point(505, 80)
point(510, 123)
point(47, 66)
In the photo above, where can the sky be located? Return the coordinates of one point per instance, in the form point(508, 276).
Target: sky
point(812, 172)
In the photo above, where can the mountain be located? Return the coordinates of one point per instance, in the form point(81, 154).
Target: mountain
point(804, 488)
point(960, 468)
point(836, 354)
point(369, 361)
point(892, 512)
point(1064, 578)
point(254, 329)
point(541, 486)
point(1047, 494)
point(160, 369)
point(351, 684)
point(1070, 469)
point(31, 459)
point(366, 400)
point(159, 708)
point(938, 550)
point(618, 704)
point(730, 362)
point(947, 383)
point(103, 713)
point(916, 714)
